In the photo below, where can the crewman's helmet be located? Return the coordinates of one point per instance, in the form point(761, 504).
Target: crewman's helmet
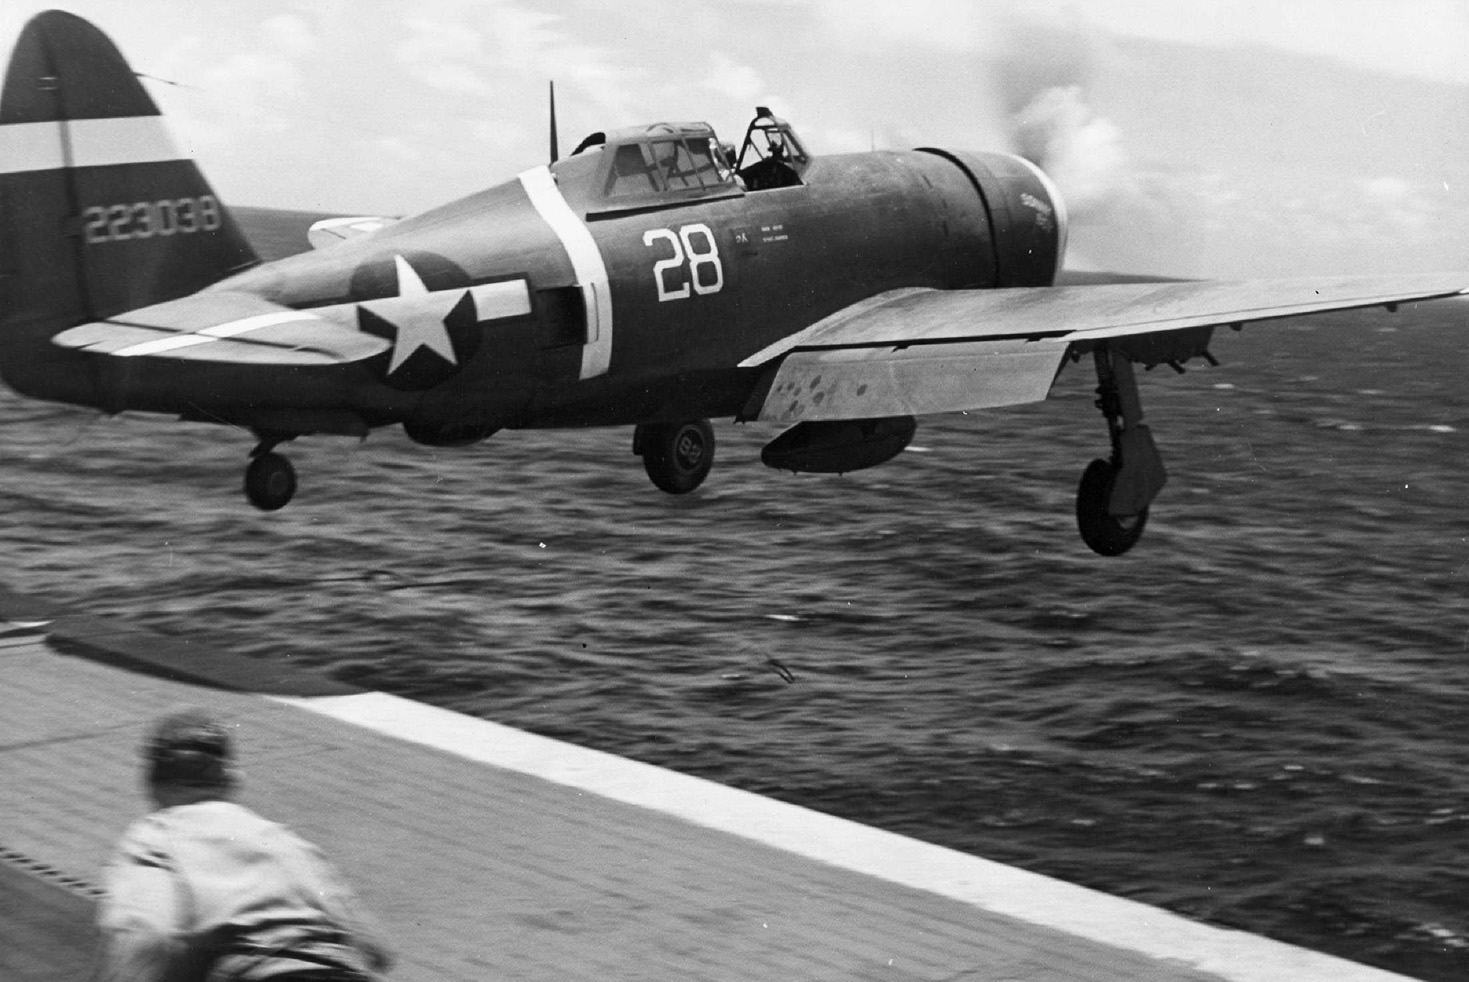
point(189, 748)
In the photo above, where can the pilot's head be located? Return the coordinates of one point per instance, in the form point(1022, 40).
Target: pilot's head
point(188, 757)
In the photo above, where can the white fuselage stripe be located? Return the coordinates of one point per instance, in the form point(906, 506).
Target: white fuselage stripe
point(1116, 921)
point(493, 301)
point(94, 143)
point(586, 263)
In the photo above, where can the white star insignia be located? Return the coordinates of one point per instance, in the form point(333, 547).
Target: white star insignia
point(418, 314)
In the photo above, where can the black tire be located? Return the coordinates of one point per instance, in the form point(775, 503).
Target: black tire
point(677, 456)
point(270, 481)
point(1105, 534)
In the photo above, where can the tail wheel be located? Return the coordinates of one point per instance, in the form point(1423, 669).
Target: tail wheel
point(270, 481)
point(677, 456)
point(1106, 534)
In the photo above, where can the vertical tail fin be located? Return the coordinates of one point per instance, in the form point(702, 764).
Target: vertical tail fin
point(99, 213)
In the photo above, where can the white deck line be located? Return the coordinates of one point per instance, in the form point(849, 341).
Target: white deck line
point(995, 887)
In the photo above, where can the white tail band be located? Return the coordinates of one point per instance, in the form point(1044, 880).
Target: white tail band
point(94, 143)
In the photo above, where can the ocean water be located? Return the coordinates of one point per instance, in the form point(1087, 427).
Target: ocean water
point(1259, 717)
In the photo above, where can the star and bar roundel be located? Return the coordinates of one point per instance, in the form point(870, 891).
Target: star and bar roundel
point(426, 306)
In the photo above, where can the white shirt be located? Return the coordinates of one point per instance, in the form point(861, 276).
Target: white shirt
point(182, 872)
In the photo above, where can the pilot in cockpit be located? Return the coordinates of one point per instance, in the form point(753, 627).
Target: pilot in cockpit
point(774, 166)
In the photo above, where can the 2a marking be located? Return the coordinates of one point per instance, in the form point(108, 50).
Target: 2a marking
point(704, 273)
point(126, 221)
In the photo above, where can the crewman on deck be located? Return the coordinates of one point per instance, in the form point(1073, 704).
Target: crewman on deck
point(204, 890)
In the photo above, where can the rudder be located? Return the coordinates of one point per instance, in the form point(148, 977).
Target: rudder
point(99, 212)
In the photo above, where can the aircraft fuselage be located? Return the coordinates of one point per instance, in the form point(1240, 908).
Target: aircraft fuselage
point(544, 302)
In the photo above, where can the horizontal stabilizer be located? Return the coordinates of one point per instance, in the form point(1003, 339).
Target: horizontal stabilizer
point(330, 231)
point(226, 327)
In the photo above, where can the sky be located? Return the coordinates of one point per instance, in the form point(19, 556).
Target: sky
point(1191, 137)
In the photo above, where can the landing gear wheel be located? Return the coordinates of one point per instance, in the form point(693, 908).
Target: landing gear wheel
point(270, 481)
point(677, 456)
point(1103, 532)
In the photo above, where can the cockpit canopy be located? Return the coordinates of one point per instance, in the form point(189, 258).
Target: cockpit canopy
point(671, 163)
point(665, 160)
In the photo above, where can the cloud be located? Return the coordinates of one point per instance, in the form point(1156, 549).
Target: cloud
point(1386, 189)
point(1397, 205)
point(258, 88)
point(523, 40)
point(290, 35)
point(398, 149)
point(322, 102)
point(1235, 225)
point(836, 139)
point(1425, 38)
point(497, 52)
point(735, 81)
point(880, 25)
point(444, 56)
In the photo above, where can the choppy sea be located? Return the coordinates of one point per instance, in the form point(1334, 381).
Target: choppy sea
point(1259, 717)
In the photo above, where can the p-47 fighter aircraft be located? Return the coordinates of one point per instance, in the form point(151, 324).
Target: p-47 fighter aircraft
point(652, 278)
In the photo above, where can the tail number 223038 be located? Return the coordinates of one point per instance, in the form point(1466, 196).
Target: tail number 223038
point(145, 219)
point(694, 265)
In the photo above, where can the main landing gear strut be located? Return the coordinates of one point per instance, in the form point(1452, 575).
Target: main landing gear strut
point(677, 456)
point(270, 480)
point(1112, 501)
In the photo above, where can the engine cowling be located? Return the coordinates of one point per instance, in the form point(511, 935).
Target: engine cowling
point(1028, 223)
point(840, 445)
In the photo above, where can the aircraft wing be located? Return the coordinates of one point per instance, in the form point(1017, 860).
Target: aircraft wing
point(917, 351)
point(226, 327)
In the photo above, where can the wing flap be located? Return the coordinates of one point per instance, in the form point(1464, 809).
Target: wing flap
point(222, 326)
point(861, 383)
